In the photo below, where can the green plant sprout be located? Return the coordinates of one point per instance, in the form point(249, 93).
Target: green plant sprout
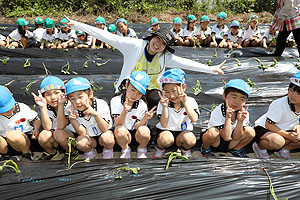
point(197, 89)
point(113, 49)
point(7, 84)
point(263, 66)
point(174, 155)
point(271, 187)
point(82, 161)
point(33, 107)
point(66, 50)
point(252, 84)
point(95, 86)
point(3, 27)
point(224, 83)
point(216, 53)
point(46, 70)
point(27, 87)
point(209, 62)
point(86, 64)
point(100, 64)
point(27, 63)
point(4, 60)
point(238, 62)
point(65, 69)
point(126, 169)
point(11, 47)
point(9, 164)
point(196, 43)
point(71, 141)
point(207, 109)
point(298, 64)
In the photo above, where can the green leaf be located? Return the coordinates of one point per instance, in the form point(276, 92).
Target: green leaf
point(197, 89)
point(27, 63)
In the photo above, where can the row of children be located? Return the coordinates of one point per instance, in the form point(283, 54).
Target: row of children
point(219, 35)
point(71, 110)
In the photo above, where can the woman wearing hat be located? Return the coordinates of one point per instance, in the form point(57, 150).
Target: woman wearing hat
point(19, 37)
point(151, 55)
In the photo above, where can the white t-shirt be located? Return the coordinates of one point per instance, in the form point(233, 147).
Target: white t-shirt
point(206, 32)
point(131, 33)
point(290, 37)
point(137, 112)
point(268, 36)
point(90, 123)
point(132, 49)
point(19, 121)
point(234, 38)
point(88, 41)
point(218, 115)
point(66, 36)
point(38, 34)
point(178, 119)
point(250, 32)
point(48, 37)
point(219, 33)
point(179, 34)
point(281, 113)
point(194, 33)
point(16, 36)
point(2, 37)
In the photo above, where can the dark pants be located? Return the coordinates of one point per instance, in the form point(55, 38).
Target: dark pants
point(152, 98)
point(281, 40)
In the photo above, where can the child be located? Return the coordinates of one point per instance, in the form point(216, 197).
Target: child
point(129, 111)
point(234, 38)
point(90, 117)
point(177, 31)
point(252, 32)
point(51, 90)
point(112, 29)
point(19, 37)
point(65, 35)
point(176, 112)
point(39, 30)
point(2, 40)
point(205, 31)
point(279, 128)
point(82, 40)
point(154, 24)
point(228, 123)
point(123, 29)
point(48, 39)
point(101, 24)
point(219, 32)
point(190, 32)
point(269, 38)
point(19, 125)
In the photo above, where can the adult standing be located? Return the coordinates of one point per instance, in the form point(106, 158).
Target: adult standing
point(287, 20)
point(152, 55)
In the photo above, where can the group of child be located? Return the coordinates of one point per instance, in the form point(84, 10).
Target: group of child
point(72, 110)
point(47, 35)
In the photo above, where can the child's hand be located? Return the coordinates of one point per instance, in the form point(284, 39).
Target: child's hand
point(294, 136)
point(164, 101)
point(62, 99)
point(72, 114)
point(89, 110)
point(242, 114)
point(35, 134)
point(39, 100)
point(149, 115)
point(229, 110)
point(181, 94)
point(126, 107)
point(70, 22)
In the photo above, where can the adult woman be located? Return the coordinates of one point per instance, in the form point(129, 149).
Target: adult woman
point(287, 20)
point(152, 55)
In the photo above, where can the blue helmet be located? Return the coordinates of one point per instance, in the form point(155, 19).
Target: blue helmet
point(174, 75)
point(140, 80)
point(240, 85)
point(77, 84)
point(52, 83)
point(7, 101)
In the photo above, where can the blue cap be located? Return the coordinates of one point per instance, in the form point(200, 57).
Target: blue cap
point(240, 85)
point(173, 76)
point(121, 20)
point(296, 79)
point(140, 80)
point(7, 101)
point(52, 83)
point(77, 84)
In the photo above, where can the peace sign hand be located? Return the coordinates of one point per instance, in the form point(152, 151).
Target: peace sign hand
point(149, 115)
point(242, 114)
point(164, 101)
point(181, 94)
point(229, 110)
point(62, 99)
point(72, 114)
point(89, 110)
point(39, 100)
point(126, 107)
point(70, 22)
point(220, 68)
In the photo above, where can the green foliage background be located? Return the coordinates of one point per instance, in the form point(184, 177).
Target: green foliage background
point(11, 8)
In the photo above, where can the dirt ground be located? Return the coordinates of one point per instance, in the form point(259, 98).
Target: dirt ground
point(166, 17)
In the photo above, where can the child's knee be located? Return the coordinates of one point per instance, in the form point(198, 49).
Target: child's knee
point(189, 140)
point(83, 143)
point(15, 136)
point(249, 132)
point(45, 137)
point(3, 146)
point(212, 133)
point(107, 139)
point(143, 132)
point(121, 132)
point(165, 139)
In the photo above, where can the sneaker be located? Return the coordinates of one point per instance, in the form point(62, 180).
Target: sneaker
point(187, 153)
point(283, 153)
point(141, 153)
point(91, 154)
point(49, 156)
point(27, 156)
point(74, 155)
point(125, 153)
point(206, 152)
point(260, 153)
point(107, 154)
point(159, 153)
point(238, 153)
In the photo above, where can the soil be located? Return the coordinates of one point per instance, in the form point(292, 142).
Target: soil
point(166, 17)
